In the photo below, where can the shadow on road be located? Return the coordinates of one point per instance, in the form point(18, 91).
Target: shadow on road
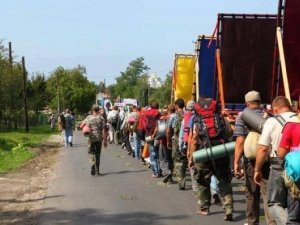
point(123, 172)
point(90, 216)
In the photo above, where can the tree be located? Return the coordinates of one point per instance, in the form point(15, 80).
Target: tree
point(127, 82)
point(70, 88)
point(38, 95)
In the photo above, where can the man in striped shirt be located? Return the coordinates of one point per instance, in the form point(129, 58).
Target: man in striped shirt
point(253, 191)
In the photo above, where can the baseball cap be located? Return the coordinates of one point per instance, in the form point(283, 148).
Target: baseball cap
point(252, 96)
point(190, 105)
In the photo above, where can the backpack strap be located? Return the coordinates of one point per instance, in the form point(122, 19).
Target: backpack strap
point(280, 120)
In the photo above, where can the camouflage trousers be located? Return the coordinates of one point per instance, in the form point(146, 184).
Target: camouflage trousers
point(94, 154)
point(180, 167)
point(203, 173)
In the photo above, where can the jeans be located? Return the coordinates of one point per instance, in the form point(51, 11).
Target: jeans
point(166, 159)
point(277, 196)
point(111, 132)
point(293, 206)
point(154, 159)
point(137, 145)
point(214, 185)
point(68, 136)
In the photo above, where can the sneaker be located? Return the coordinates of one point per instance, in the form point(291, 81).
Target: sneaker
point(203, 211)
point(93, 170)
point(71, 144)
point(156, 175)
point(123, 145)
point(228, 217)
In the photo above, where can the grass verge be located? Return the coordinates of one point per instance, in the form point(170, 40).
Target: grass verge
point(14, 146)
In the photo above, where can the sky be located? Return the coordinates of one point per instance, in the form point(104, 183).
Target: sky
point(106, 35)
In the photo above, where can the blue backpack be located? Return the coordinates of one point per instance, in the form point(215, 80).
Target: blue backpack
point(292, 165)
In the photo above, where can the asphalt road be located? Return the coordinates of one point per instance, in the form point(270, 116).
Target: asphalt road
point(125, 194)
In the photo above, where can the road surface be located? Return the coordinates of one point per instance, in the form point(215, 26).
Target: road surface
point(124, 194)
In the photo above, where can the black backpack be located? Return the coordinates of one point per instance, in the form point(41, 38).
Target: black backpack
point(68, 121)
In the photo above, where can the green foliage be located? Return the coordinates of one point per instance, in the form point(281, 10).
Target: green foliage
point(133, 83)
point(14, 159)
point(72, 88)
point(128, 82)
point(67, 88)
point(38, 95)
point(14, 146)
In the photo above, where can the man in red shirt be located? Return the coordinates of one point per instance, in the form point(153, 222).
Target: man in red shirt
point(151, 117)
point(290, 141)
point(290, 138)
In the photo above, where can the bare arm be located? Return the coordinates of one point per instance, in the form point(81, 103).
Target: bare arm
point(155, 131)
point(261, 155)
point(189, 144)
point(282, 152)
point(238, 152)
point(169, 137)
point(193, 141)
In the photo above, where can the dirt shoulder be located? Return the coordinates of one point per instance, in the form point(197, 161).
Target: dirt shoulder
point(22, 192)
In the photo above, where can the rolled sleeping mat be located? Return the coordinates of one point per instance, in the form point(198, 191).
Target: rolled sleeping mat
point(253, 120)
point(215, 152)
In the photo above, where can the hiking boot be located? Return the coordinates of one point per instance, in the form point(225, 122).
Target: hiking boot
point(167, 178)
point(98, 173)
point(181, 187)
point(228, 217)
point(171, 181)
point(93, 170)
point(217, 199)
point(203, 211)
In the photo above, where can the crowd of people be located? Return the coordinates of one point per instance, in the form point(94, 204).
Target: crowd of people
point(168, 138)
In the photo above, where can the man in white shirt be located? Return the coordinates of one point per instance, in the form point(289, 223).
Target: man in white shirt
point(267, 149)
point(112, 119)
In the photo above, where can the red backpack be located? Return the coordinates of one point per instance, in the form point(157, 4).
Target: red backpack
point(209, 119)
point(186, 118)
point(151, 118)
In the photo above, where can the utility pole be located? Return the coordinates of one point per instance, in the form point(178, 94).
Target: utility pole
point(10, 54)
point(25, 94)
point(13, 108)
point(58, 98)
